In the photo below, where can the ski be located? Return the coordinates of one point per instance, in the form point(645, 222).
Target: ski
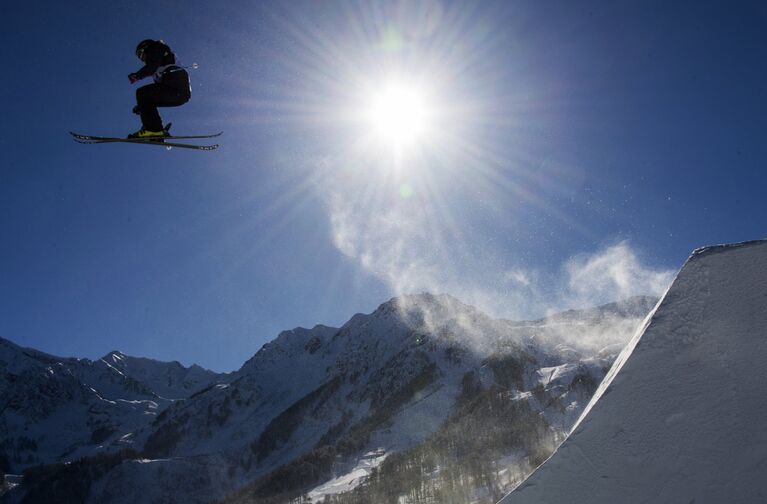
point(161, 142)
point(79, 136)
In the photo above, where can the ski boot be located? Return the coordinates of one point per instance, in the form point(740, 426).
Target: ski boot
point(144, 134)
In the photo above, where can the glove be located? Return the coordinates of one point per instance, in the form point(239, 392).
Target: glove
point(133, 78)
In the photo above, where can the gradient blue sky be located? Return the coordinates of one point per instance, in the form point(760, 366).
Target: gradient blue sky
point(573, 137)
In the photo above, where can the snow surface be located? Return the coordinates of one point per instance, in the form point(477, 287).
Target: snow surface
point(679, 418)
point(349, 481)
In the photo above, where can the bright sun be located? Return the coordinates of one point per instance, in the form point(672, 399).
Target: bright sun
point(399, 114)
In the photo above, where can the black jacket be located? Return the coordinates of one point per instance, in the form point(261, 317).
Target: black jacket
point(160, 61)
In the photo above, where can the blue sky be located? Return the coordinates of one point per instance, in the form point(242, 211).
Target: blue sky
point(565, 138)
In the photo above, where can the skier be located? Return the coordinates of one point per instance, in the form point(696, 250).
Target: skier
point(171, 87)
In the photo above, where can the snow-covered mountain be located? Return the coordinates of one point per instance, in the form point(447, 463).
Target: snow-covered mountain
point(679, 417)
point(168, 380)
point(319, 409)
point(54, 409)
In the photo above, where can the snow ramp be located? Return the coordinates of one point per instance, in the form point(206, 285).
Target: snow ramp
point(681, 416)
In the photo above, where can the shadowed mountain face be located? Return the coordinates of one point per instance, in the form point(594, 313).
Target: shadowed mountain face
point(423, 377)
point(54, 409)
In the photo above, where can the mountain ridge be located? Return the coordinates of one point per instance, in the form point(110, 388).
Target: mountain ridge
point(97, 402)
point(386, 382)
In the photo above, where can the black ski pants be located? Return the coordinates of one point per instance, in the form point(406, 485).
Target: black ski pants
point(151, 96)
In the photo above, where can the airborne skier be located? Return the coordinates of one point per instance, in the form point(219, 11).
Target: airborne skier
point(171, 87)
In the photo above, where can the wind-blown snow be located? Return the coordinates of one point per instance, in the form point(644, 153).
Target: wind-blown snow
point(680, 417)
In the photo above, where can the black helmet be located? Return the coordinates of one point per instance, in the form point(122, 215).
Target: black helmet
point(142, 46)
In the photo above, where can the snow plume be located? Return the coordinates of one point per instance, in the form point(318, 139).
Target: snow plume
point(393, 245)
point(413, 244)
point(610, 275)
point(396, 246)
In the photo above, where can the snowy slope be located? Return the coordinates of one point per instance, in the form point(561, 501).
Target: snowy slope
point(373, 355)
point(385, 382)
point(226, 417)
point(169, 380)
point(55, 409)
point(680, 416)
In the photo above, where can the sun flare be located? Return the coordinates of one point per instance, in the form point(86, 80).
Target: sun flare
point(399, 114)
